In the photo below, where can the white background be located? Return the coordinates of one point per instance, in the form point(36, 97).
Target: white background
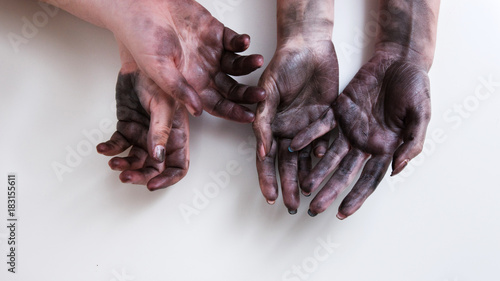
point(439, 220)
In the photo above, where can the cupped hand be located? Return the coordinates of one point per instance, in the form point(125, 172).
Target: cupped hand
point(189, 54)
point(383, 115)
point(301, 82)
point(152, 123)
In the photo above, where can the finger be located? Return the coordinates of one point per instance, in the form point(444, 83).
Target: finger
point(134, 160)
point(371, 176)
point(115, 145)
point(305, 166)
point(215, 104)
point(287, 165)
point(340, 180)
point(325, 166)
point(267, 175)
point(238, 93)
point(136, 133)
point(237, 65)
point(321, 145)
point(235, 42)
point(162, 113)
point(266, 110)
point(142, 175)
point(177, 158)
point(317, 129)
point(413, 138)
point(172, 82)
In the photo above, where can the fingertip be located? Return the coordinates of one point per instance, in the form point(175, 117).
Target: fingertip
point(296, 145)
point(159, 153)
point(305, 193)
point(196, 111)
point(320, 151)
point(241, 43)
point(260, 94)
point(248, 116)
point(259, 60)
point(125, 177)
point(396, 169)
point(341, 216)
point(102, 148)
point(311, 213)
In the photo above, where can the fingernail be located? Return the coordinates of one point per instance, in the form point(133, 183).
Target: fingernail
point(320, 152)
point(100, 147)
point(292, 212)
point(305, 193)
point(290, 149)
point(160, 153)
point(400, 167)
point(249, 116)
point(340, 216)
point(271, 202)
point(262, 152)
point(311, 213)
point(126, 178)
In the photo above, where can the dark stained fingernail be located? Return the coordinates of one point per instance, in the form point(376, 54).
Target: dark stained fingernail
point(341, 216)
point(102, 147)
point(311, 213)
point(292, 212)
point(290, 149)
point(159, 153)
point(271, 202)
point(305, 193)
point(400, 167)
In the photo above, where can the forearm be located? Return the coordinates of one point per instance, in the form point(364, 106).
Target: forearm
point(305, 19)
point(409, 27)
point(89, 10)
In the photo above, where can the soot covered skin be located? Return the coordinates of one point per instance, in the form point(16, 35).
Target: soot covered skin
point(189, 55)
point(301, 82)
point(137, 98)
point(382, 114)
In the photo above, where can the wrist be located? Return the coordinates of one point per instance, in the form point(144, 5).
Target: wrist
point(92, 11)
point(309, 31)
point(395, 51)
point(308, 20)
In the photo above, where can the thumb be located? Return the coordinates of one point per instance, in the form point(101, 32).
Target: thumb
point(413, 139)
point(162, 113)
point(265, 113)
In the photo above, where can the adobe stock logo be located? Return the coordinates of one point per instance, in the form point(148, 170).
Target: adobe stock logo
point(309, 265)
point(31, 26)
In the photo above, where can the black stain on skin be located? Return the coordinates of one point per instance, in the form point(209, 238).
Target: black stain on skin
point(127, 101)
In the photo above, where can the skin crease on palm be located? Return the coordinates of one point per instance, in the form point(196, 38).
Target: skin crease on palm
point(301, 82)
point(382, 114)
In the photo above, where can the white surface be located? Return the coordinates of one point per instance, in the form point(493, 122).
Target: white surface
point(438, 221)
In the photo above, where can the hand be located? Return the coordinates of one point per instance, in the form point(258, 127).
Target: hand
point(140, 102)
point(301, 82)
point(188, 54)
point(383, 115)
